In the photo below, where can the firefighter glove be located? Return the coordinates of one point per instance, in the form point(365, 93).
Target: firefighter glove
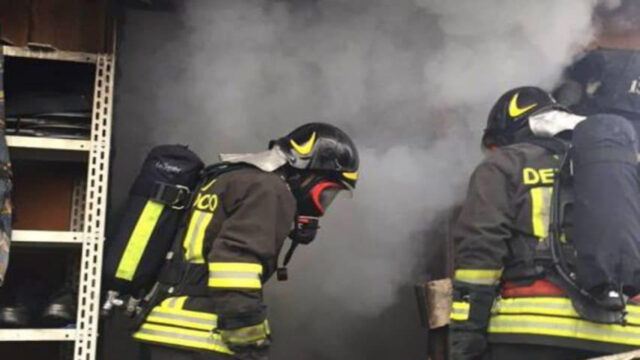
point(255, 336)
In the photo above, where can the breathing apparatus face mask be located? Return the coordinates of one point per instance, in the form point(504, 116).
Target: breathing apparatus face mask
point(314, 195)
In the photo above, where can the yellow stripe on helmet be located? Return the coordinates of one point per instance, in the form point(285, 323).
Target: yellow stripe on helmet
point(305, 148)
point(351, 175)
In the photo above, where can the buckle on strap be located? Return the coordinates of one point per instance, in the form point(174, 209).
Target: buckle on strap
point(175, 196)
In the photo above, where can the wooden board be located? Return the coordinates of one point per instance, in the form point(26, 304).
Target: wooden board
point(72, 25)
point(14, 20)
point(42, 195)
point(628, 40)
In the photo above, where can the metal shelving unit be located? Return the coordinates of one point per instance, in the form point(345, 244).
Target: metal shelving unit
point(43, 143)
point(38, 335)
point(88, 202)
point(49, 54)
point(47, 237)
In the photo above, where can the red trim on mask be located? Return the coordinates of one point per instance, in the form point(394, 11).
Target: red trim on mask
point(304, 220)
point(318, 189)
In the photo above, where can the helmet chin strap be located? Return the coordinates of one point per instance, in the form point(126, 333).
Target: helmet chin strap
point(304, 232)
point(305, 226)
point(282, 273)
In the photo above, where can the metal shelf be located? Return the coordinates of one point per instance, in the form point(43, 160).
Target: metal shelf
point(48, 143)
point(89, 202)
point(49, 54)
point(46, 237)
point(38, 335)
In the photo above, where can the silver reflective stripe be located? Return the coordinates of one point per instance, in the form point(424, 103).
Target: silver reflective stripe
point(564, 327)
point(208, 322)
point(461, 312)
point(589, 330)
point(549, 306)
point(478, 276)
point(194, 234)
point(174, 335)
point(502, 307)
point(234, 275)
point(172, 302)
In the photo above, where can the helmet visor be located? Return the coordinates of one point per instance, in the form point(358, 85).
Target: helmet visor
point(323, 194)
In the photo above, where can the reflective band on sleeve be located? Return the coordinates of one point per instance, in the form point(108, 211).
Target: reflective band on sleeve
point(552, 306)
point(204, 340)
point(139, 240)
point(193, 241)
point(235, 275)
point(460, 311)
point(478, 277)
point(540, 208)
point(564, 327)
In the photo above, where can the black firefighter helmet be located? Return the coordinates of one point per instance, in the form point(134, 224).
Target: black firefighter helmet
point(510, 114)
point(322, 148)
point(323, 161)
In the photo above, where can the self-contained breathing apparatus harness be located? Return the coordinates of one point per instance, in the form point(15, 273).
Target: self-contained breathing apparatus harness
point(554, 262)
point(179, 276)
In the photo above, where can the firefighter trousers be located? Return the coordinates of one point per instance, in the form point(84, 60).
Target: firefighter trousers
point(155, 352)
point(536, 352)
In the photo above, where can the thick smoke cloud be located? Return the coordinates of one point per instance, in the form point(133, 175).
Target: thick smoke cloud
point(412, 81)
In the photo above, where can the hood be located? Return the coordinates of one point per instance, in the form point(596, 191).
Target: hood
point(268, 161)
point(552, 122)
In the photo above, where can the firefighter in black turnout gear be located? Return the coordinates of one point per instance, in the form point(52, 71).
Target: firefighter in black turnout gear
point(508, 302)
point(208, 303)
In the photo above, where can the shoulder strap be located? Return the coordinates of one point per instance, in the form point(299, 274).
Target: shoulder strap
point(553, 144)
point(215, 170)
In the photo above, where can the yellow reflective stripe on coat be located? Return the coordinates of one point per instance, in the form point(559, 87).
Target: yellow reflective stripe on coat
point(460, 311)
point(235, 275)
point(564, 327)
point(184, 318)
point(204, 340)
point(478, 276)
point(174, 302)
point(553, 306)
point(540, 208)
point(139, 240)
point(194, 239)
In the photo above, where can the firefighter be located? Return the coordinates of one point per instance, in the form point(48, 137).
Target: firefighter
point(210, 303)
point(5, 186)
point(504, 304)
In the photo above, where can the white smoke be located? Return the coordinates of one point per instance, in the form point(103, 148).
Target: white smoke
point(411, 81)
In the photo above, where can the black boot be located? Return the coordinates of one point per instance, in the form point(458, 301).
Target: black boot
point(15, 316)
point(61, 310)
point(21, 304)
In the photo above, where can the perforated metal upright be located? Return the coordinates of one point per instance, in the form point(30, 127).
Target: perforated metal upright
point(88, 204)
point(95, 211)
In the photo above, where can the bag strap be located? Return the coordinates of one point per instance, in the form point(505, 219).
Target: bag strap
point(172, 195)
